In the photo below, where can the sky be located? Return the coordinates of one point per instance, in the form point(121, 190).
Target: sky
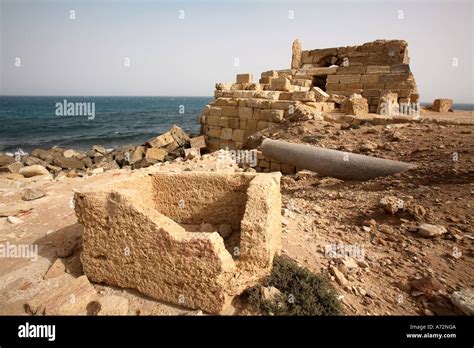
point(182, 48)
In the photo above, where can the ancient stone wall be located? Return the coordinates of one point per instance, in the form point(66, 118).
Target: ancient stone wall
point(323, 82)
point(368, 69)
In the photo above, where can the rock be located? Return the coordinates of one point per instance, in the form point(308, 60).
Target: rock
point(340, 278)
point(57, 269)
point(362, 264)
point(67, 163)
point(206, 227)
point(97, 170)
point(14, 220)
point(442, 105)
point(30, 161)
point(296, 54)
point(356, 105)
point(464, 300)
point(225, 230)
point(100, 149)
point(12, 168)
point(392, 204)
point(155, 154)
point(5, 160)
point(14, 210)
point(349, 263)
point(179, 135)
point(110, 305)
point(191, 153)
point(427, 285)
point(71, 174)
point(368, 146)
point(108, 165)
point(33, 170)
point(53, 169)
point(137, 154)
point(45, 155)
point(428, 230)
point(161, 140)
point(70, 297)
point(32, 194)
point(269, 294)
point(71, 154)
point(198, 142)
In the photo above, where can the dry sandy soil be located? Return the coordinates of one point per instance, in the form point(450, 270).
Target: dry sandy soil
point(318, 213)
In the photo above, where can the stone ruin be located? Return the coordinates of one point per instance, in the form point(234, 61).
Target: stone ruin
point(371, 78)
point(144, 233)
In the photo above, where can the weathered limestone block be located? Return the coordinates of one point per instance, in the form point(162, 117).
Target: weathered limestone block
point(442, 105)
point(179, 135)
point(155, 154)
point(138, 234)
point(319, 94)
point(280, 84)
point(244, 78)
point(198, 142)
point(226, 134)
point(303, 96)
point(161, 140)
point(356, 105)
point(296, 54)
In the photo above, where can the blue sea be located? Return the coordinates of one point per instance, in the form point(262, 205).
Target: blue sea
point(27, 123)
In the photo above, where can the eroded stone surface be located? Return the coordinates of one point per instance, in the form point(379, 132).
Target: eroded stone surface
point(134, 235)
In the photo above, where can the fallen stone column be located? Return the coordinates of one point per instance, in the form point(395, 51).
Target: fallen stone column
point(333, 163)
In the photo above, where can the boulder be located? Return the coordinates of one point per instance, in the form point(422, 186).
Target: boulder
point(161, 140)
point(6, 160)
point(30, 161)
point(464, 300)
point(388, 104)
point(99, 149)
point(442, 105)
point(73, 154)
point(12, 168)
point(137, 154)
point(45, 155)
point(198, 142)
point(67, 163)
point(33, 170)
point(179, 135)
point(32, 194)
point(155, 154)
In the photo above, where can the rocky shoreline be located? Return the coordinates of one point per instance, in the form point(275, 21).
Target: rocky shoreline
point(71, 163)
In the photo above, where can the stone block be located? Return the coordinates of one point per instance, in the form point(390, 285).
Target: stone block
point(179, 135)
point(148, 215)
point(244, 78)
point(319, 94)
point(155, 154)
point(280, 84)
point(356, 105)
point(442, 105)
point(303, 96)
point(226, 134)
point(245, 113)
point(198, 142)
point(215, 111)
point(238, 135)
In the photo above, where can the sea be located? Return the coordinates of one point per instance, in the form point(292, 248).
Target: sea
point(29, 122)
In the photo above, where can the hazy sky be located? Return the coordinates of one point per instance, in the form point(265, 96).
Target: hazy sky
point(176, 56)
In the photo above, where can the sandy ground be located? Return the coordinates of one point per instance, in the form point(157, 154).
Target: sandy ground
point(319, 213)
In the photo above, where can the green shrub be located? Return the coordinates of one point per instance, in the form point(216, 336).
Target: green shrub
point(302, 292)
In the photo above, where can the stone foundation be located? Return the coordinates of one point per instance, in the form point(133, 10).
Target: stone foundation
point(143, 233)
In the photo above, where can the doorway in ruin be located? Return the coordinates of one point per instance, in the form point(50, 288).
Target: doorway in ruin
point(320, 81)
